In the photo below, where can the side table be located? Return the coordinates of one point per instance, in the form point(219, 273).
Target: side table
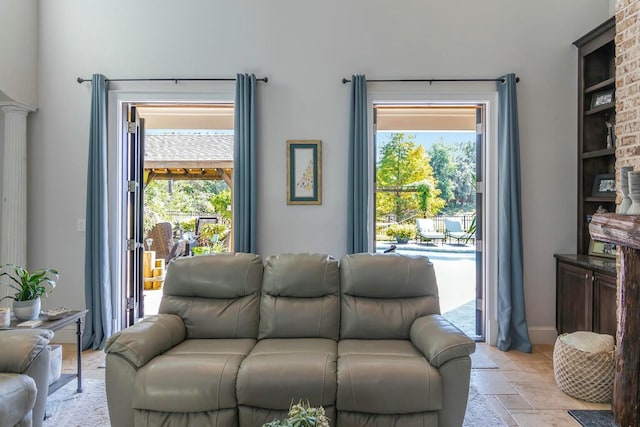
point(76, 316)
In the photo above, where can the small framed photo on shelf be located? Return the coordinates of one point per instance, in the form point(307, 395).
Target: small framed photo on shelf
point(604, 185)
point(604, 97)
point(597, 248)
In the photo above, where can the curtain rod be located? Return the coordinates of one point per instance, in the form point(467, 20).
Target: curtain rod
point(345, 81)
point(175, 80)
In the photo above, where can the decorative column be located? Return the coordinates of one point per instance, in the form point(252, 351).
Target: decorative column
point(13, 233)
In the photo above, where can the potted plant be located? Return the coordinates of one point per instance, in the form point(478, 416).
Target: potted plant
point(402, 232)
point(30, 287)
point(302, 415)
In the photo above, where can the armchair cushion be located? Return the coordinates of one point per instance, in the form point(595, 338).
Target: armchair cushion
point(19, 347)
point(439, 340)
point(17, 397)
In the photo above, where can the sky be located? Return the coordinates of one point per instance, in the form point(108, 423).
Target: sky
point(429, 138)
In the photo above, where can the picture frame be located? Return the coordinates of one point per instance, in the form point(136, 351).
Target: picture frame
point(604, 185)
point(602, 249)
point(605, 97)
point(304, 172)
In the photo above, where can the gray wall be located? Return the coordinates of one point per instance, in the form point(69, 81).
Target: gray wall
point(19, 50)
point(306, 48)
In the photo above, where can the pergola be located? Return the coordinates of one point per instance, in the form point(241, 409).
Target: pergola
point(179, 157)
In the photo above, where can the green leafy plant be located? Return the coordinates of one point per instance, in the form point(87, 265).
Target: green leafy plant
point(401, 231)
point(302, 415)
point(28, 285)
point(210, 230)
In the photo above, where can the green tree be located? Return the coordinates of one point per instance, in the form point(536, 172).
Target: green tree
point(401, 168)
point(464, 176)
point(220, 202)
point(441, 160)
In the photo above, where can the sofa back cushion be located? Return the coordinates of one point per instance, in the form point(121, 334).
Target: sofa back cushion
point(382, 294)
point(300, 297)
point(217, 296)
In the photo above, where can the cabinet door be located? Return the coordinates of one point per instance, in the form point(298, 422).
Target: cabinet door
point(605, 297)
point(574, 298)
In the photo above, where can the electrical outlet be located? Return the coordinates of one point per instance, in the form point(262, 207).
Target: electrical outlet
point(81, 225)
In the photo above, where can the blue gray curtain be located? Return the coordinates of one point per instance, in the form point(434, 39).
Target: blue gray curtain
point(358, 181)
point(97, 279)
point(244, 165)
point(512, 322)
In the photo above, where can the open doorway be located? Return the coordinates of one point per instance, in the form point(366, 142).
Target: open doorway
point(428, 160)
point(179, 167)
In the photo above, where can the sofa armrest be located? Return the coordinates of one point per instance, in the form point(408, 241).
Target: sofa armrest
point(19, 347)
point(146, 339)
point(439, 340)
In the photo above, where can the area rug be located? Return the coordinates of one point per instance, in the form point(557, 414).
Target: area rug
point(482, 361)
point(480, 413)
point(68, 408)
point(594, 418)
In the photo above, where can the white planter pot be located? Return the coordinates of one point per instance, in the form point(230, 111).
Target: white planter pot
point(27, 310)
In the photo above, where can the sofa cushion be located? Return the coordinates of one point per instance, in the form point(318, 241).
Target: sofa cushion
point(195, 376)
point(279, 371)
point(17, 397)
point(300, 297)
point(216, 295)
point(386, 377)
point(382, 294)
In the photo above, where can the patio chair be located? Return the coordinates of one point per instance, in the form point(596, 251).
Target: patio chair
point(426, 230)
point(453, 230)
point(163, 242)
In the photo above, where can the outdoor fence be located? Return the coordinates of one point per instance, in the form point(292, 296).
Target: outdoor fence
point(438, 223)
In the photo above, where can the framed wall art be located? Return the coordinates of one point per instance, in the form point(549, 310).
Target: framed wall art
point(304, 172)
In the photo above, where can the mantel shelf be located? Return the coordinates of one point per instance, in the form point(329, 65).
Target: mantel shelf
point(623, 230)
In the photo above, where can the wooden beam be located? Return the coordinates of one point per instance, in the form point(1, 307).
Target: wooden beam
point(624, 231)
point(626, 391)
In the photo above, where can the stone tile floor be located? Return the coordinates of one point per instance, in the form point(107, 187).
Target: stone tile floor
point(521, 389)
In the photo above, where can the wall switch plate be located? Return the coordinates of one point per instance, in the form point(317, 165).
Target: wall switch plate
point(81, 225)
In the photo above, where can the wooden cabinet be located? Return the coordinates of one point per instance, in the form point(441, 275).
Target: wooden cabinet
point(596, 118)
point(586, 285)
point(604, 303)
point(585, 294)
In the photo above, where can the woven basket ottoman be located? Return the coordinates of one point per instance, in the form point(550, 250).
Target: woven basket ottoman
point(584, 366)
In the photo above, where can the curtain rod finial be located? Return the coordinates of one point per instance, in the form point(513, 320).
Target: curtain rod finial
point(80, 80)
point(345, 81)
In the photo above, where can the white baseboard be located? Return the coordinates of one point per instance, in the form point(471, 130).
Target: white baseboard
point(543, 335)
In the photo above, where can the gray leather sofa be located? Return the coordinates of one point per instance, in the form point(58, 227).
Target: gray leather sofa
point(24, 376)
point(237, 341)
